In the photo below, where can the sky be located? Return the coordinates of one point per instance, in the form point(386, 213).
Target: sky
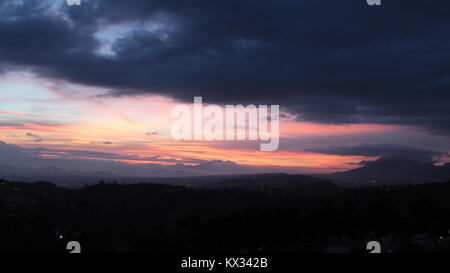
point(91, 87)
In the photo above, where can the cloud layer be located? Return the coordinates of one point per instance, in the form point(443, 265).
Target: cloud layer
point(31, 164)
point(383, 151)
point(326, 61)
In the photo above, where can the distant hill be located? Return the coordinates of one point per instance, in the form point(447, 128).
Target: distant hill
point(392, 171)
point(278, 181)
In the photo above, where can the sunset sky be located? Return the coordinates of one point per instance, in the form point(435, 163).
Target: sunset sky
point(96, 83)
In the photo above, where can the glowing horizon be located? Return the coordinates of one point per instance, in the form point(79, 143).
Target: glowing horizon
point(39, 113)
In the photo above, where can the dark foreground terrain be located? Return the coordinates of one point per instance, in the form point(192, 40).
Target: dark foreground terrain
point(111, 217)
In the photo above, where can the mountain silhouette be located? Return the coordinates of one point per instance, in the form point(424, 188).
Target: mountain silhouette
point(392, 171)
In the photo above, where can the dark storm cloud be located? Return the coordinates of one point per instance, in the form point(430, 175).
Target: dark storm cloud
point(328, 61)
point(382, 150)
